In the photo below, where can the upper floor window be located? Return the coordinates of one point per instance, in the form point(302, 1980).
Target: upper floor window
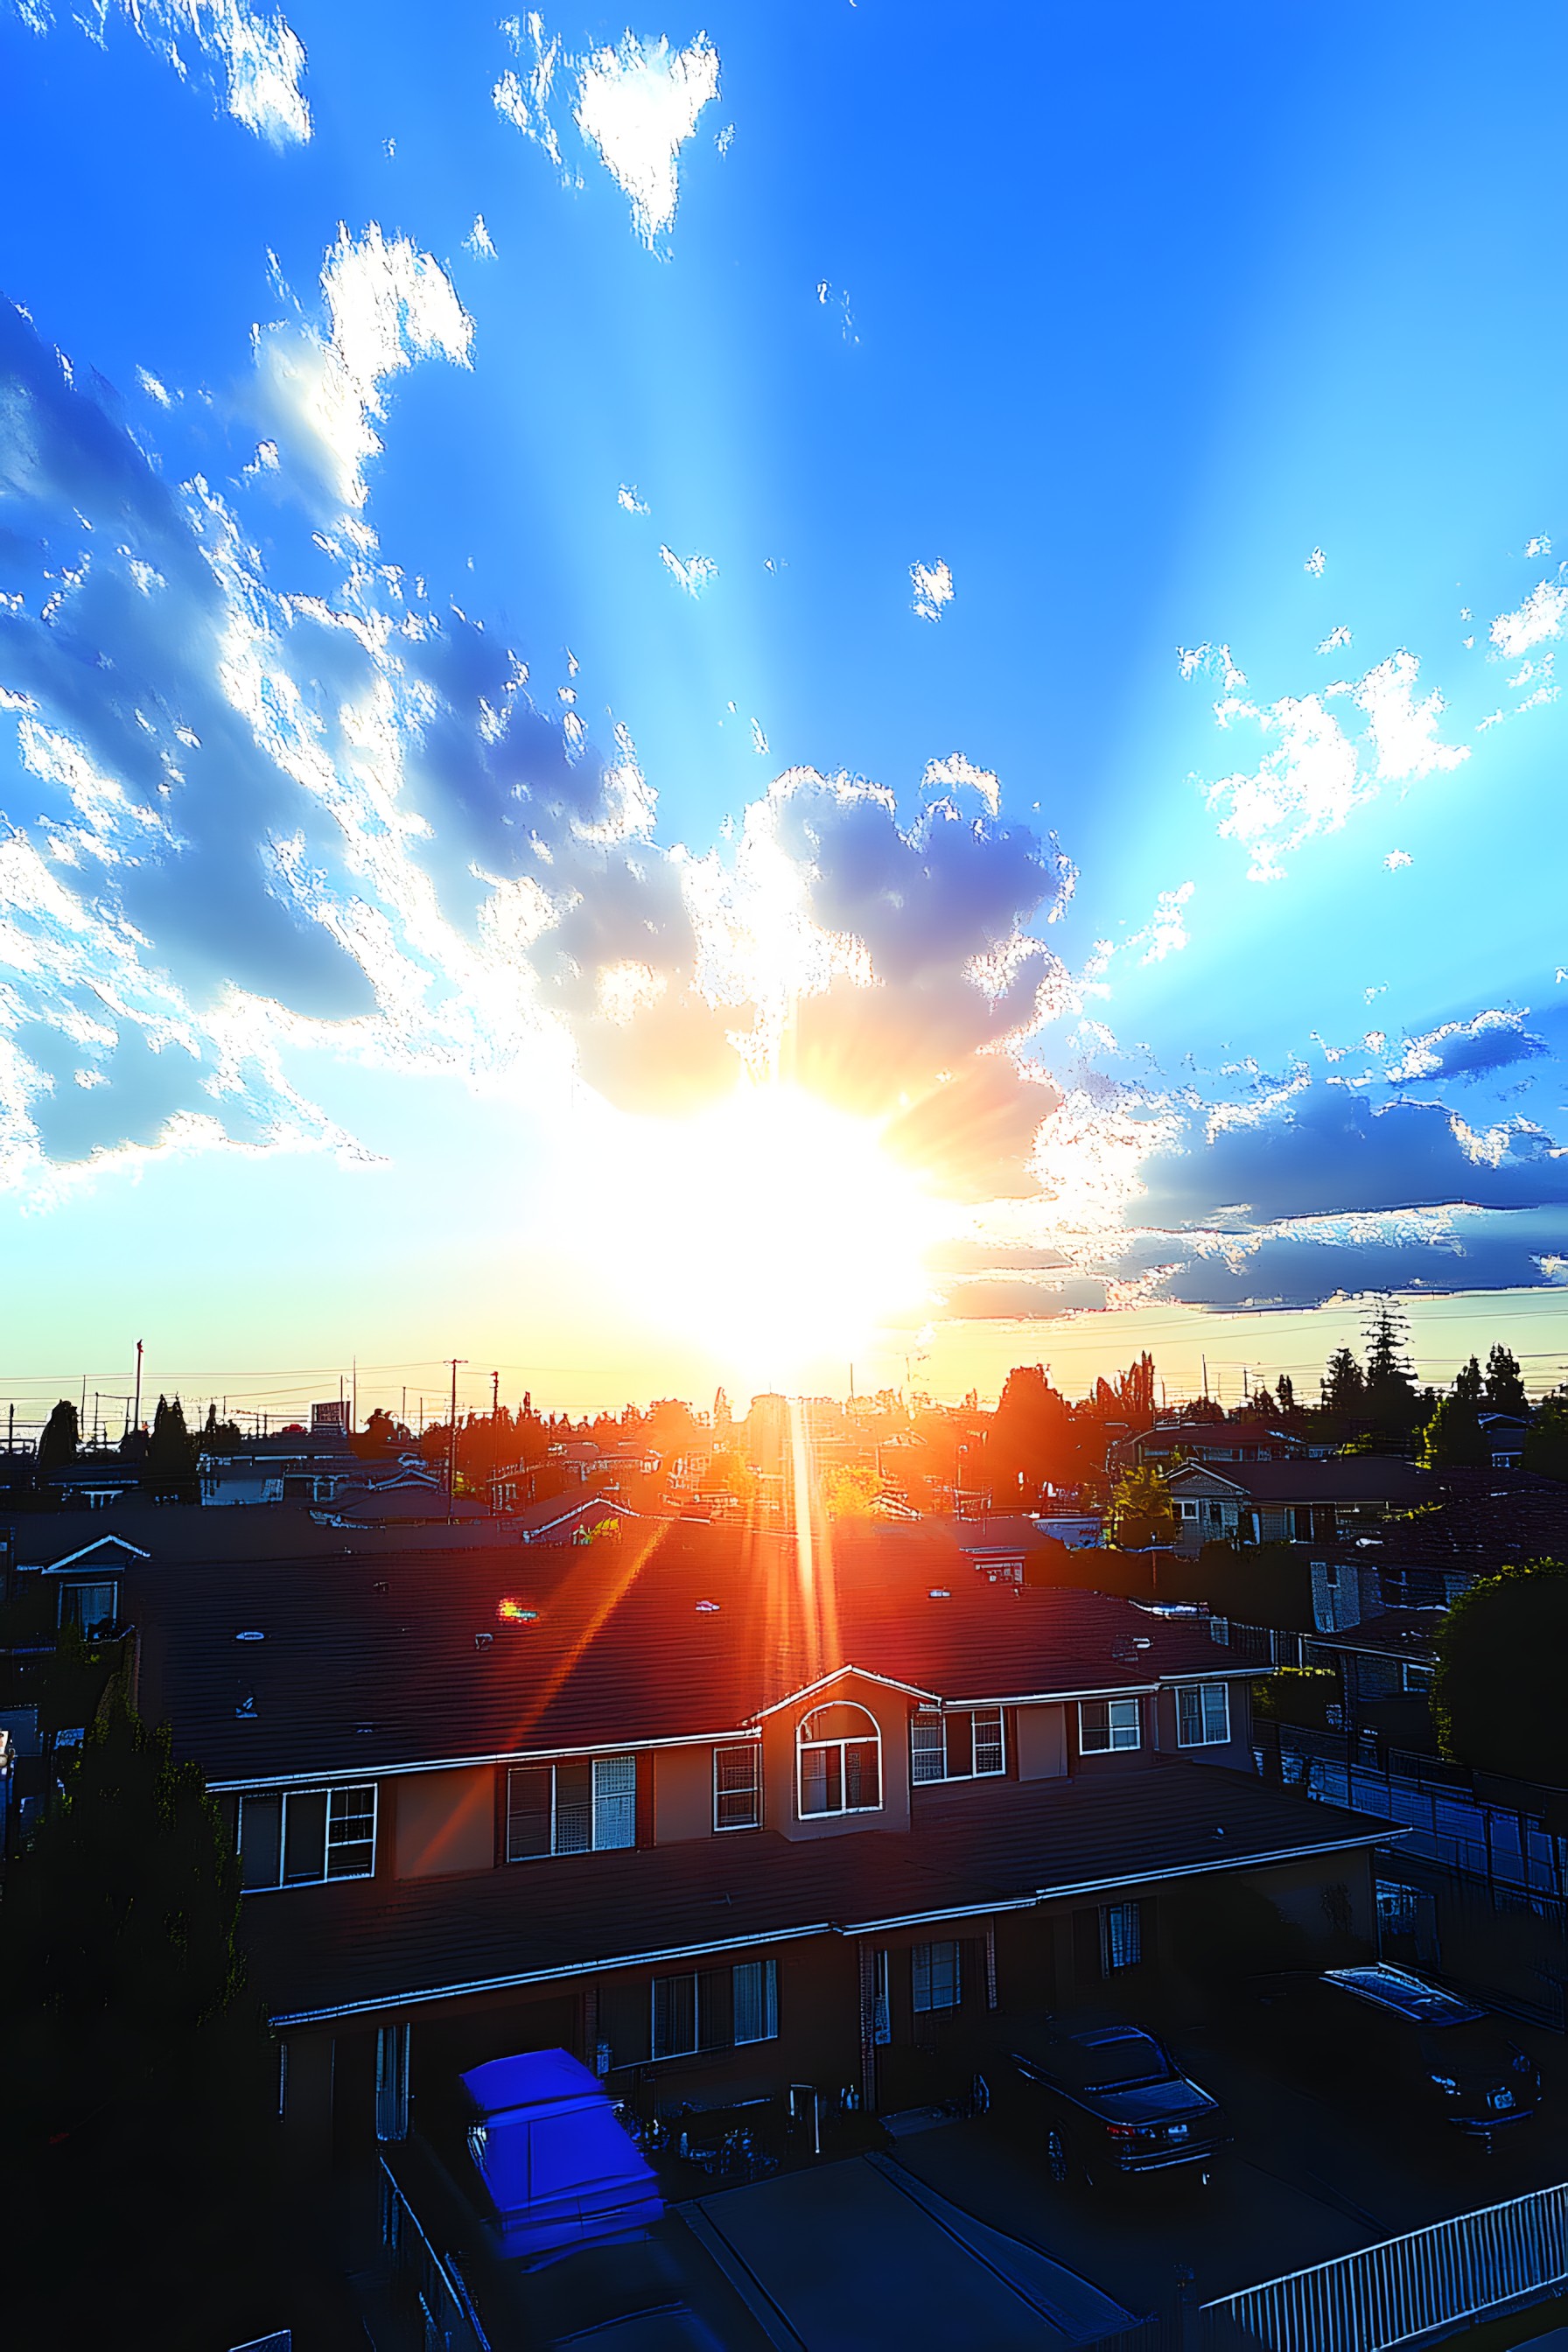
point(840, 1757)
point(581, 1805)
point(90, 1606)
point(963, 1745)
point(1202, 1715)
point(1106, 1723)
point(297, 1837)
point(737, 1786)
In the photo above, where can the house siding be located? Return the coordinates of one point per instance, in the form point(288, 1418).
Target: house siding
point(443, 1822)
point(1040, 1741)
point(891, 1710)
point(682, 1794)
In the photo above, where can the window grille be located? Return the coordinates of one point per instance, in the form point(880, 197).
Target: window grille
point(935, 1973)
point(1108, 1723)
point(737, 1786)
point(1202, 1715)
point(582, 1805)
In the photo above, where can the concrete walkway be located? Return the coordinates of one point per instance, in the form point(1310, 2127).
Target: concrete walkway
point(862, 2257)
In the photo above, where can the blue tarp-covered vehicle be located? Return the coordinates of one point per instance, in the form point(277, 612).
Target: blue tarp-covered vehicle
point(558, 2167)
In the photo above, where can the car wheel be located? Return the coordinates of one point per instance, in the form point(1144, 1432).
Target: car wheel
point(1057, 2163)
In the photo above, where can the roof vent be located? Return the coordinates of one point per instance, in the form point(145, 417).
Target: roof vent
point(938, 1592)
point(483, 1641)
point(250, 1635)
point(1141, 1641)
point(382, 1587)
point(706, 1608)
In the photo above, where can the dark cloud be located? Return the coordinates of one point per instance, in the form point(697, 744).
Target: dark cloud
point(1329, 1150)
point(1490, 1041)
point(1494, 1253)
point(988, 1257)
point(1021, 1301)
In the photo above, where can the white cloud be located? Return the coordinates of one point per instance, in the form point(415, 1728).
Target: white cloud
point(759, 740)
point(1190, 659)
point(627, 496)
point(947, 775)
point(155, 390)
point(1539, 616)
point(932, 585)
point(1396, 859)
point(1403, 731)
point(1540, 545)
point(638, 104)
point(1335, 639)
point(694, 574)
point(1165, 933)
point(261, 57)
point(388, 305)
point(1315, 564)
point(1314, 776)
point(479, 241)
point(529, 109)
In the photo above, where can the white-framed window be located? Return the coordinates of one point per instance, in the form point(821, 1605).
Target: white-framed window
point(711, 2009)
point(1187, 1510)
point(1416, 1678)
point(738, 1785)
point(584, 1804)
point(298, 1837)
point(1108, 1723)
point(963, 1745)
point(936, 1976)
point(88, 1606)
point(1202, 1715)
point(839, 1762)
point(1121, 1936)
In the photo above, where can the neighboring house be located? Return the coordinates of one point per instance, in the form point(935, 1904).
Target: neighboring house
point(999, 1546)
point(1205, 1441)
point(1505, 1434)
point(1291, 1502)
point(291, 1467)
point(94, 1483)
point(717, 1819)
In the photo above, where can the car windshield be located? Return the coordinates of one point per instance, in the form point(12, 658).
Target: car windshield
point(1118, 2062)
point(1472, 2047)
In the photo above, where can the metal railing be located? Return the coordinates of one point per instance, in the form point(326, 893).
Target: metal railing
point(1407, 2287)
point(451, 2322)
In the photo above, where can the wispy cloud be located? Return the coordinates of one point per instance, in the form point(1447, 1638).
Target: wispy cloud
point(932, 585)
point(636, 106)
point(261, 58)
point(694, 574)
point(1539, 617)
point(387, 305)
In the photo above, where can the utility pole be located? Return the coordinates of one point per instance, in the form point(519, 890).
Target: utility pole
point(354, 1406)
point(495, 1395)
point(452, 1436)
point(136, 1422)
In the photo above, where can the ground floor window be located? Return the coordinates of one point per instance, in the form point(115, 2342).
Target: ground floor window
point(714, 2008)
point(936, 1975)
point(1395, 1907)
point(1121, 1935)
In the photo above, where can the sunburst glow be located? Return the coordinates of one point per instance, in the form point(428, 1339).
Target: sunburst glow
point(773, 1228)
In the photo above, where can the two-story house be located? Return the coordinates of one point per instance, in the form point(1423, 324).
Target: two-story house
point(715, 1814)
point(1297, 1501)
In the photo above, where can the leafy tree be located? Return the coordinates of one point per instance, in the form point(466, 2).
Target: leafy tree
point(1141, 1517)
point(1505, 1388)
point(169, 1469)
point(1031, 1442)
point(1546, 1441)
point(136, 2068)
point(1468, 1386)
point(379, 1436)
point(219, 1436)
point(1497, 1695)
point(849, 1491)
point(57, 1445)
point(1453, 1438)
point(1300, 1695)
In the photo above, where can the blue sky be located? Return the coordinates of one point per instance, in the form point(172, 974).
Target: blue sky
point(999, 575)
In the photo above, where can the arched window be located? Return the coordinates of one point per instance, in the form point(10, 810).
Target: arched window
point(838, 1752)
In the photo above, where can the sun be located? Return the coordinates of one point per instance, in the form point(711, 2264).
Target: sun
point(773, 1229)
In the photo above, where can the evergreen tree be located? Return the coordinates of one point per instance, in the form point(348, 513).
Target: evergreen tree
point(1391, 1398)
point(136, 2069)
point(169, 1469)
point(1505, 1389)
point(1497, 1696)
point(57, 1445)
point(1468, 1386)
point(1453, 1437)
point(1546, 1441)
point(1286, 1388)
point(1343, 1386)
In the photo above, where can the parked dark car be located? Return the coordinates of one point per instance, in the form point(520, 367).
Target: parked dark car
point(1383, 2034)
point(1105, 2103)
